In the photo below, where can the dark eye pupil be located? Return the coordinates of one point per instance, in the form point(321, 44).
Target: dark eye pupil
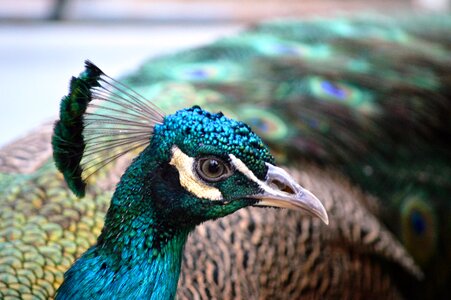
point(212, 168)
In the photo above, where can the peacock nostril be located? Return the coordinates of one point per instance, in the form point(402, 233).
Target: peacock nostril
point(281, 186)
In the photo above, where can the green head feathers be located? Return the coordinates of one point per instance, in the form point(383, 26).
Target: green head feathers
point(203, 153)
point(195, 130)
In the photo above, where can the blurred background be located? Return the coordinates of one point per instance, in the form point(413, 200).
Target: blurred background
point(44, 42)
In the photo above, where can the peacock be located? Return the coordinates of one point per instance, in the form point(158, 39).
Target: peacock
point(355, 108)
point(198, 166)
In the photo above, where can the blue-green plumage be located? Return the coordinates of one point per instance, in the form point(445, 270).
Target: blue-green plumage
point(145, 274)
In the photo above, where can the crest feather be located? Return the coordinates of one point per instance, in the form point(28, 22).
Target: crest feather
point(100, 120)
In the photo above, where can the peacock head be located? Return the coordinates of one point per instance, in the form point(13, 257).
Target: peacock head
point(196, 165)
point(209, 166)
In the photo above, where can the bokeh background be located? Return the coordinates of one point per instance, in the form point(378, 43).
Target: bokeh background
point(44, 42)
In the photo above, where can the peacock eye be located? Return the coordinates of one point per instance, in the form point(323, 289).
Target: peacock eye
point(212, 169)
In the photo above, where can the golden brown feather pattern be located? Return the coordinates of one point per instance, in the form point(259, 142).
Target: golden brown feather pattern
point(248, 255)
point(27, 154)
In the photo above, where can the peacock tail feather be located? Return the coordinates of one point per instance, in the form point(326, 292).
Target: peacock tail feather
point(357, 107)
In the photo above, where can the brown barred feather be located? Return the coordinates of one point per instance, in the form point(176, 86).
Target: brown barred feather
point(27, 154)
point(297, 258)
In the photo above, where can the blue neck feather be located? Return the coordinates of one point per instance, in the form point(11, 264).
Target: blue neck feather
point(137, 256)
point(96, 276)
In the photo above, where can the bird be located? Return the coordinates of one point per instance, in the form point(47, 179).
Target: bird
point(196, 166)
point(355, 108)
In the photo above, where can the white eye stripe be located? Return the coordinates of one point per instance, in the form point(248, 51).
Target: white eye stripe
point(189, 180)
point(240, 166)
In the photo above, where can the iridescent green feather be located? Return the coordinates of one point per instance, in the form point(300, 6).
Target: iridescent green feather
point(100, 120)
point(67, 141)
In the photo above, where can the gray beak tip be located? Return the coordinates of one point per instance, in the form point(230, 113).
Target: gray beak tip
point(325, 219)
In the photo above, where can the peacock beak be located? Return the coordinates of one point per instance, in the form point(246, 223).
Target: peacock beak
point(281, 190)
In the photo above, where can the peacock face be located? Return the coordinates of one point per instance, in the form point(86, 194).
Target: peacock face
point(214, 166)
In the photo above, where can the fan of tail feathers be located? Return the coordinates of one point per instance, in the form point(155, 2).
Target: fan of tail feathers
point(370, 96)
point(366, 96)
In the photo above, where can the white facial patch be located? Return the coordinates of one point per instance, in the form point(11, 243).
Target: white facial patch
point(241, 166)
point(189, 180)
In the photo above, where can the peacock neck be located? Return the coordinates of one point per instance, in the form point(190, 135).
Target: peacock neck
point(141, 272)
point(138, 254)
